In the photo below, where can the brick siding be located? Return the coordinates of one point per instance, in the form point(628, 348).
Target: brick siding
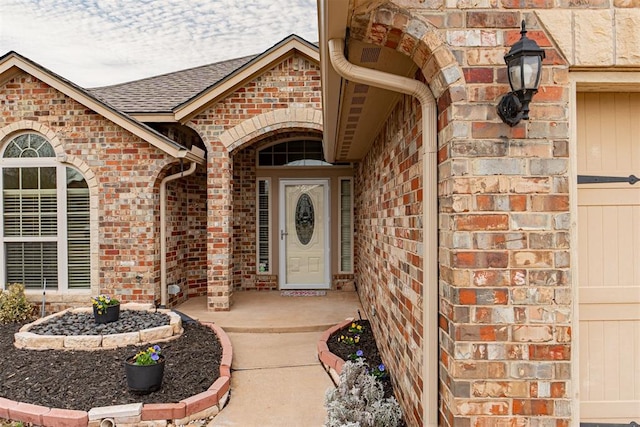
point(389, 270)
point(126, 171)
point(292, 84)
point(186, 236)
point(505, 300)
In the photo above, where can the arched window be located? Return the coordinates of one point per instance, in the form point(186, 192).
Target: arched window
point(45, 218)
point(293, 153)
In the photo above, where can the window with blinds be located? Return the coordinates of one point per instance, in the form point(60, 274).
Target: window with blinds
point(263, 226)
point(78, 262)
point(346, 225)
point(30, 202)
point(32, 263)
point(45, 217)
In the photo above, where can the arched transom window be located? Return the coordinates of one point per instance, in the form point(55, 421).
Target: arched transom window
point(293, 153)
point(45, 218)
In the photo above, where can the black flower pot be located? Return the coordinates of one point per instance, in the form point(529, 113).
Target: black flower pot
point(111, 314)
point(144, 378)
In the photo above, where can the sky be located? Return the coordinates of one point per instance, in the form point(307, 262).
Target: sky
point(103, 42)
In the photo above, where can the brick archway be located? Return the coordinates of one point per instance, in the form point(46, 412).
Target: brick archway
point(219, 189)
point(414, 36)
point(393, 27)
point(272, 121)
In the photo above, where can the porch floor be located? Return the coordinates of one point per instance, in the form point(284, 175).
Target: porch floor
point(268, 311)
point(276, 377)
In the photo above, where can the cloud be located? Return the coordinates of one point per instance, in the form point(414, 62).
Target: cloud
point(101, 42)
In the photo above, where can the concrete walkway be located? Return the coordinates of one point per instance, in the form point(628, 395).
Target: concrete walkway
point(276, 378)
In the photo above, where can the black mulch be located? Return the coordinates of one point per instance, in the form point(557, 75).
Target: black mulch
point(368, 346)
point(82, 380)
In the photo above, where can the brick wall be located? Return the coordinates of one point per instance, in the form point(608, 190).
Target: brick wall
point(244, 220)
point(504, 282)
point(125, 169)
point(293, 83)
point(186, 236)
point(196, 265)
point(505, 326)
point(389, 271)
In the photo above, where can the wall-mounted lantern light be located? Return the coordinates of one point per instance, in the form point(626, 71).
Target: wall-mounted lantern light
point(524, 68)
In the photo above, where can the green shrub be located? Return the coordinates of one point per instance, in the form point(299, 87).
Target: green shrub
point(359, 401)
point(14, 306)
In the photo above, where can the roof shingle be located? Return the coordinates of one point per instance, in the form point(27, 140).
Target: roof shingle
point(160, 94)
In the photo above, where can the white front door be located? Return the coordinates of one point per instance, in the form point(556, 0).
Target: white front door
point(609, 257)
point(304, 234)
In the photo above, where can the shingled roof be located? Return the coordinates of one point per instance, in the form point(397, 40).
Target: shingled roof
point(160, 94)
point(13, 64)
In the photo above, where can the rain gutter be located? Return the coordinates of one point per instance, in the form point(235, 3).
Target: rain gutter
point(421, 91)
point(163, 229)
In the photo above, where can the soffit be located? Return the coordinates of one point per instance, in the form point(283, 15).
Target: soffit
point(353, 114)
point(363, 109)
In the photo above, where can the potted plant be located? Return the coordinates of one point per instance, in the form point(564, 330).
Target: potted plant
point(105, 309)
point(145, 370)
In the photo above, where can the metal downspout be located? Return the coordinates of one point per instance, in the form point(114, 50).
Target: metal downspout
point(163, 229)
point(421, 91)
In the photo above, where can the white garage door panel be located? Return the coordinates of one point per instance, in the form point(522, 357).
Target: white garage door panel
point(612, 237)
point(609, 312)
point(600, 295)
point(607, 196)
point(609, 259)
point(595, 410)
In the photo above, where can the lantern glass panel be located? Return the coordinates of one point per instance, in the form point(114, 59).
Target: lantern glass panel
point(515, 74)
point(531, 72)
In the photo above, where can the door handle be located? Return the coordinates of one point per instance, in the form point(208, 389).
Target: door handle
point(282, 234)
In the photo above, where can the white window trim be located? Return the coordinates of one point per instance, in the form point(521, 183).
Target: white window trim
point(340, 180)
point(269, 224)
point(61, 238)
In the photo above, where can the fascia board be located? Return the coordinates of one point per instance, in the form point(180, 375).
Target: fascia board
point(121, 119)
point(332, 23)
point(154, 117)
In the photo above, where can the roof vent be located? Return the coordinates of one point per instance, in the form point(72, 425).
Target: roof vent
point(370, 54)
point(360, 88)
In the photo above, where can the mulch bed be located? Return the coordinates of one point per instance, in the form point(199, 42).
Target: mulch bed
point(367, 344)
point(83, 380)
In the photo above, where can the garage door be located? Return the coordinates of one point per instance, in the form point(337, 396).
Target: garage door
point(609, 257)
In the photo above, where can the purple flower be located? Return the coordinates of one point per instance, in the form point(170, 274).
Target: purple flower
point(156, 348)
point(155, 356)
point(359, 353)
point(381, 367)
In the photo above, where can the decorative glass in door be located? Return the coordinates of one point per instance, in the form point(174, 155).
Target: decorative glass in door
point(304, 235)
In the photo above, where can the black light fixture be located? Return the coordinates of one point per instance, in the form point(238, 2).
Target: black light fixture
point(524, 68)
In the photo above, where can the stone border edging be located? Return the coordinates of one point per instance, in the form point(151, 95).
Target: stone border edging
point(201, 405)
point(26, 340)
point(331, 363)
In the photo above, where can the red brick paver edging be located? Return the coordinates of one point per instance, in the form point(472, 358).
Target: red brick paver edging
point(201, 405)
point(331, 363)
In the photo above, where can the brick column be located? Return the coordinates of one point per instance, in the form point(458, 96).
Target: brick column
point(219, 222)
point(505, 282)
